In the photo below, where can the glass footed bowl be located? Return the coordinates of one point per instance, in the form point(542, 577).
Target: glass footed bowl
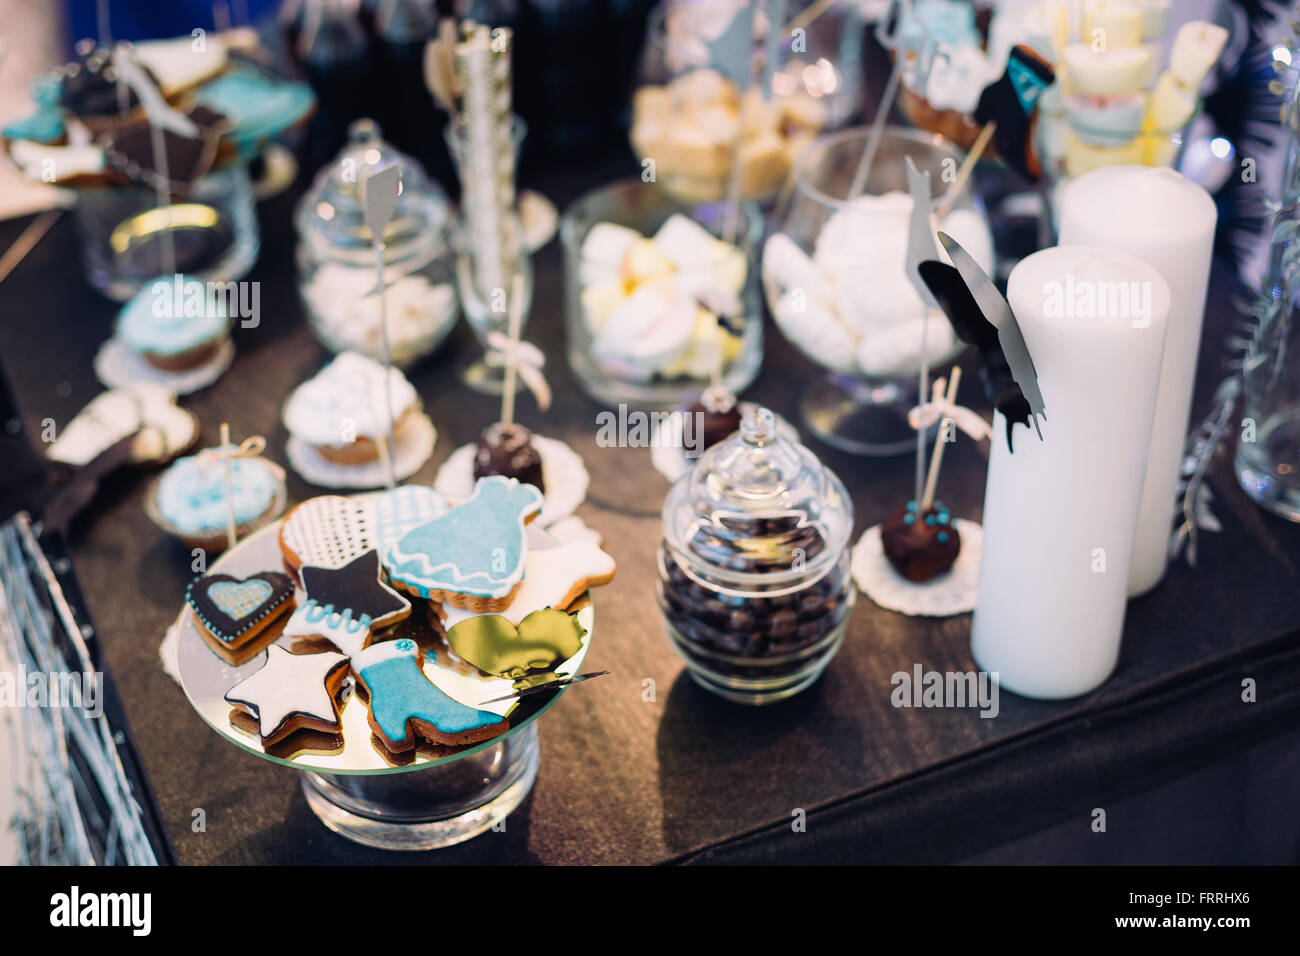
point(686, 115)
point(834, 278)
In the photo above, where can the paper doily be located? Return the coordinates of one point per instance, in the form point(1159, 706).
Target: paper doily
point(117, 366)
point(666, 452)
point(563, 472)
point(952, 593)
point(167, 651)
point(413, 449)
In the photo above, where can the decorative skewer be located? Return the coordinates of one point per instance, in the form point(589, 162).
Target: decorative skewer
point(964, 171)
point(381, 190)
point(936, 460)
point(512, 364)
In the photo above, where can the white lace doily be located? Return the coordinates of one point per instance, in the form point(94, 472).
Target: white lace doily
point(948, 594)
point(668, 456)
point(563, 472)
point(117, 366)
point(413, 449)
point(167, 651)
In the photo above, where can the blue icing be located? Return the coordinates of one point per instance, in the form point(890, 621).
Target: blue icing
point(45, 126)
point(193, 499)
point(399, 691)
point(170, 315)
point(315, 611)
point(477, 548)
point(260, 107)
point(946, 22)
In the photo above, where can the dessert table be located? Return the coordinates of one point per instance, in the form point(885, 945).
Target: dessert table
point(643, 766)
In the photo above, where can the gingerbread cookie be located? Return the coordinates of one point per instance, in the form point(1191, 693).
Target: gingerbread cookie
point(404, 703)
point(292, 692)
point(553, 577)
point(542, 640)
point(234, 614)
point(346, 605)
point(332, 530)
point(472, 556)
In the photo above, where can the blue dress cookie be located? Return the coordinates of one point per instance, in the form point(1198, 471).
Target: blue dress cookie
point(472, 556)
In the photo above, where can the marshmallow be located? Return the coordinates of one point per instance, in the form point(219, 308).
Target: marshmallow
point(898, 350)
point(1112, 25)
point(1172, 104)
point(1155, 18)
point(1196, 49)
point(1105, 74)
point(817, 332)
point(649, 330)
point(603, 250)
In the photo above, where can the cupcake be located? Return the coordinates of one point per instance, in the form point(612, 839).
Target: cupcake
point(338, 411)
point(175, 323)
point(189, 501)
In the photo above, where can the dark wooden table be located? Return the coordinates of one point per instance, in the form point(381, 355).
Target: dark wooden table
point(684, 776)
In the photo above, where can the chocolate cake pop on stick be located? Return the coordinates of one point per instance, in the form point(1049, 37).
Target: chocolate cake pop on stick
point(506, 447)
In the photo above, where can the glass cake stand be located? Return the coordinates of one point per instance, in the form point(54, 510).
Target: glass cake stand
point(434, 801)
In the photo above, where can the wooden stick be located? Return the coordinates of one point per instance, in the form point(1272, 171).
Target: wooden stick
point(232, 532)
point(512, 372)
point(936, 460)
point(34, 233)
point(963, 173)
point(809, 14)
point(877, 130)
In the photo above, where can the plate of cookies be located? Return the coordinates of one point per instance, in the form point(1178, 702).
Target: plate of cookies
point(390, 630)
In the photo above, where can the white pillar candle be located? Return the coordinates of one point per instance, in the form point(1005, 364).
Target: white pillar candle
point(1167, 220)
point(1059, 513)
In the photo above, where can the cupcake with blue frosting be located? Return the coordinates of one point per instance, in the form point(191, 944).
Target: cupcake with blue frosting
point(175, 322)
point(190, 500)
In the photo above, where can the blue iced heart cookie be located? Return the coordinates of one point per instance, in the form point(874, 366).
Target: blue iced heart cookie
point(476, 550)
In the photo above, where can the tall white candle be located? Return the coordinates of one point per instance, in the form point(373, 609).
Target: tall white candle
point(1059, 514)
point(1168, 221)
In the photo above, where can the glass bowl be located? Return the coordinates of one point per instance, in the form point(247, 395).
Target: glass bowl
point(834, 279)
point(646, 279)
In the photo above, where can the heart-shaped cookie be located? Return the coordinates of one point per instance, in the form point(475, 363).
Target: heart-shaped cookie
point(543, 639)
point(231, 612)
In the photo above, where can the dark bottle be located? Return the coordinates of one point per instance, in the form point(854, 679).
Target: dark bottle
point(404, 105)
point(332, 50)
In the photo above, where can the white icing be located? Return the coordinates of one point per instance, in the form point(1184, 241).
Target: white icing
point(112, 415)
point(346, 398)
point(288, 685)
point(331, 530)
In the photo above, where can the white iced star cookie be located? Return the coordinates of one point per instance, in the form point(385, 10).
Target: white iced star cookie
point(292, 692)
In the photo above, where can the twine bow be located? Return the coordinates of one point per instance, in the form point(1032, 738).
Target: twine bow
point(250, 447)
point(527, 359)
point(939, 408)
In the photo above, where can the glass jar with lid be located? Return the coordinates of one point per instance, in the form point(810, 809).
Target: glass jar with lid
point(336, 259)
point(754, 583)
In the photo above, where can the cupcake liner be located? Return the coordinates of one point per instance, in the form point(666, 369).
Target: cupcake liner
point(563, 472)
point(117, 365)
point(951, 593)
point(414, 447)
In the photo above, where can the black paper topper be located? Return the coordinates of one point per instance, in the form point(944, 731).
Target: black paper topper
point(967, 297)
point(1010, 101)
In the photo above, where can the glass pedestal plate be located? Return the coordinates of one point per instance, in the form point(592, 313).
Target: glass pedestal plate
point(434, 801)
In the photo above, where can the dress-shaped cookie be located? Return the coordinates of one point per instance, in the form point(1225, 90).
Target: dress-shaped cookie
point(472, 556)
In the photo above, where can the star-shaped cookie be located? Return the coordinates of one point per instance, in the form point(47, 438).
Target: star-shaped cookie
point(292, 692)
point(346, 605)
